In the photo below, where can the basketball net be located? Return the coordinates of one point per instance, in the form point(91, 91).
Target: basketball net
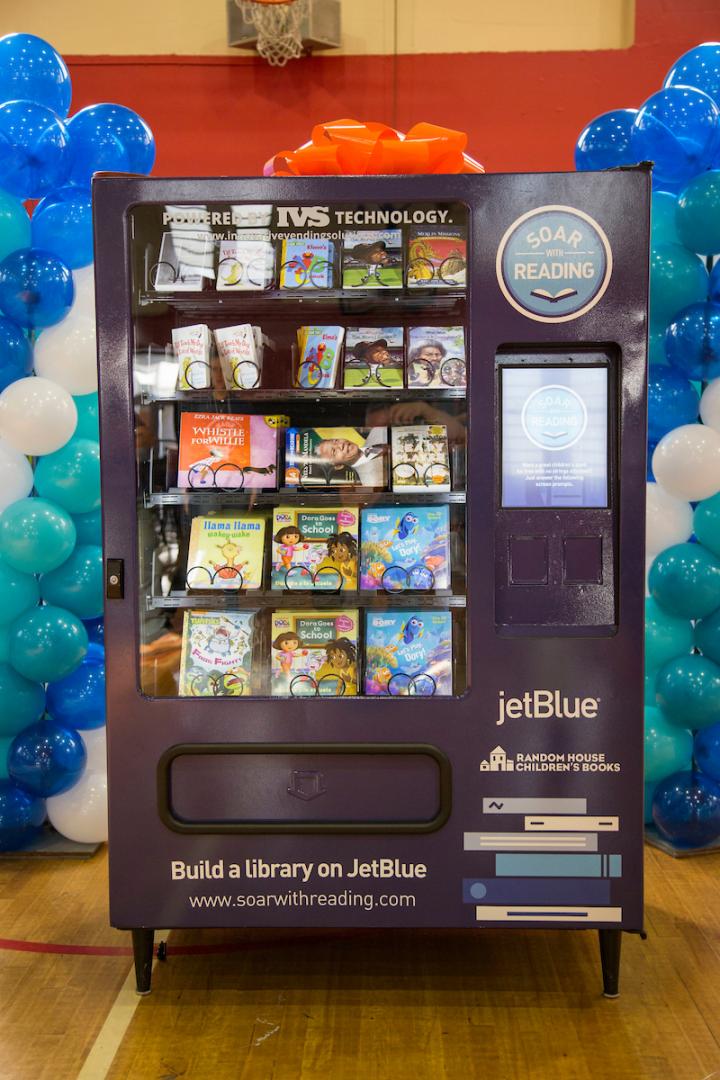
point(278, 27)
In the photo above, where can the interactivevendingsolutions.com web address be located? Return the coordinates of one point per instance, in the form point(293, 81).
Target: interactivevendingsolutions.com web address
point(297, 899)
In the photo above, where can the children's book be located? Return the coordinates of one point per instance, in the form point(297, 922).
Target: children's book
point(408, 653)
point(315, 548)
point(307, 264)
point(186, 261)
point(405, 547)
point(420, 458)
point(227, 450)
point(372, 259)
point(217, 654)
point(226, 552)
point(318, 353)
point(240, 349)
point(436, 357)
point(191, 346)
point(314, 653)
point(437, 257)
point(374, 358)
point(337, 455)
point(247, 261)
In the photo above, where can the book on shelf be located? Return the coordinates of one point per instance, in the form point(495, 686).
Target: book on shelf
point(230, 451)
point(405, 547)
point(240, 350)
point(420, 458)
point(192, 351)
point(307, 264)
point(374, 358)
point(186, 260)
point(226, 552)
point(216, 658)
point(314, 653)
point(318, 353)
point(332, 456)
point(408, 653)
point(436, 357)
point(314, 548)
point(246, 261)
point(437, 257)
point(372, 259)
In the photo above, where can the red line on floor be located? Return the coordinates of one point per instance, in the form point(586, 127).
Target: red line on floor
point(14, 945)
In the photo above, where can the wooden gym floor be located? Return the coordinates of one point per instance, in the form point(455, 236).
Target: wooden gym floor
point(346, 1005)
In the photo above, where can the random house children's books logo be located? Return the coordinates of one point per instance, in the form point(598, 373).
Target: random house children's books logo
point(554, 264)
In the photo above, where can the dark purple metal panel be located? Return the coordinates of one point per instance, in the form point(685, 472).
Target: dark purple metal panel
point(607, 669)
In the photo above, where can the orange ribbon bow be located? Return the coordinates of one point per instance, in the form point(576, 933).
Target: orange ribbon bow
point(351, 147)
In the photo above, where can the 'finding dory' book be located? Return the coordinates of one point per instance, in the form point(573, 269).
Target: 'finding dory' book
point(408, 653)
point(216, 659)
point(405, 547)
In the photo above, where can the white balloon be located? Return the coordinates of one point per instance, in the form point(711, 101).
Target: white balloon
point(686, 462)
point(37, 416)
point(710, 405)
point(66, 354)
point(95, 740)
point(84, 281)
point(649, 560)
point(669, 520)
point(16, 475)
point(81, 813)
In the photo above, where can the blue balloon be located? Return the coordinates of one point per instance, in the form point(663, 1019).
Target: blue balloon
point(88, 423)
point(79, 699)
point(15, 228)
point(685, 580)
point(16, 358)
point(707, 751)
point(686, 809)
point(649, 795)
point(108, 138)
point(48, 644)
point(699, 67)
point(668, 748)
point(88, 527)
point(22, 701)
point(36, 288)
point(692, 342)
point(21, 816)
point(31, 70)
point(677, 278)
point(663, 228)
point(95, 630)
point(714, 290)
point(62, 225)
point(36, 536)
point(34, 146)
point(605, 142)
point(77, 585)
point(19, 593)
point(70, 476)
point(672, 401)
point(677, 128)
point(688, 691)
point(47, 758)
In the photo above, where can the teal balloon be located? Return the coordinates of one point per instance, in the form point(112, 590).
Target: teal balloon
point(649, 795)
point(22, 701)
point(656, 348)
point(35, 535)
point(677, 279)
point(5, 744)
point(685, 580)
point(88, 527)
point(48, 643)
point(18, 593)
point(88, 422)
point(668, 748)
point(688, 691)
point(698, 213)
point(71, 476)
point(706, 523)
point(4, 644)
point(666, 636)
point(650, 676)
point(15, 225)
point(663, 229)
point(707, 636)
point(77, 585)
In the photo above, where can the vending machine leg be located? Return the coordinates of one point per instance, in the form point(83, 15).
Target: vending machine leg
point(143, 940)
point(610, 943)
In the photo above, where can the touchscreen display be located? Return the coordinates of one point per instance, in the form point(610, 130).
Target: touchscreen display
point(554, 436)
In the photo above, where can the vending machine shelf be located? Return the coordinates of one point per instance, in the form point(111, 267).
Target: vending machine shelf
point(217, 499)
point(293, 598)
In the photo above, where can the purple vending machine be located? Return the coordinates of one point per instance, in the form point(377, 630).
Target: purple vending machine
point(373, 470)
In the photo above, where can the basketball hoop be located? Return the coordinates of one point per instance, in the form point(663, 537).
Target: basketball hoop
point(278, 25)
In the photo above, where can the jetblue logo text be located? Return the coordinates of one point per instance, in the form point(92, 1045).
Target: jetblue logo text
point(545, 705)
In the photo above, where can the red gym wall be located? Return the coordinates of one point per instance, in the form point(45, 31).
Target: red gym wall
point(522, 111)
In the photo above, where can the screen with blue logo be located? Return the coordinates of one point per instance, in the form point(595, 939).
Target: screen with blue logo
point(554, 436)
